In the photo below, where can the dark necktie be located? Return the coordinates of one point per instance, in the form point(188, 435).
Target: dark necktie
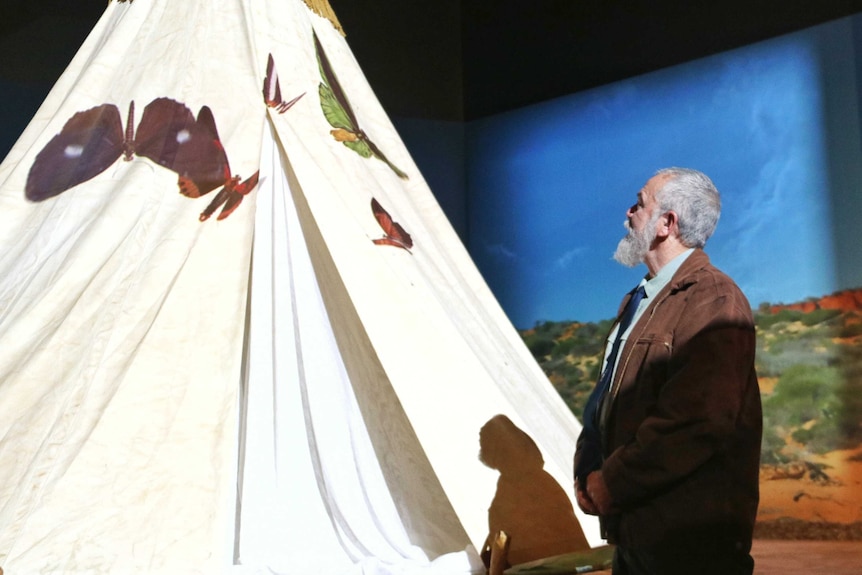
point(590, 458)
point(628, 313)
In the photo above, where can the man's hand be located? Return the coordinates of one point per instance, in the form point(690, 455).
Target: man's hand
point(584, 500)
point(598, 494)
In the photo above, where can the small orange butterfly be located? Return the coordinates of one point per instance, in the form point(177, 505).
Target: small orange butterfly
point(394, 234)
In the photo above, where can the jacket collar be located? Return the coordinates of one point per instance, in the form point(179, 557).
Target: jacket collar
point(684, 276)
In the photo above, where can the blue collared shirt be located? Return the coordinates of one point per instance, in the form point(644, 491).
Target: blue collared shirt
point(651, 287)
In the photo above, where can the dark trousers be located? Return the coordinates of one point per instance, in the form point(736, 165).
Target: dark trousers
point(681, 561)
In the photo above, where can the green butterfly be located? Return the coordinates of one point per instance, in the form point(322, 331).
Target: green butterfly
point(339, 114)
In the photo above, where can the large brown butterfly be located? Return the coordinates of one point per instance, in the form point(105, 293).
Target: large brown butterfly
point(168, 134)
point(92, 140)
point(394, 234)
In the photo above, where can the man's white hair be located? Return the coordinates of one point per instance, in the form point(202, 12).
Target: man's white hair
point(696, 201)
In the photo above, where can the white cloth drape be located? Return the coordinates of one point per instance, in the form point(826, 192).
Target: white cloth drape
point(312, 495)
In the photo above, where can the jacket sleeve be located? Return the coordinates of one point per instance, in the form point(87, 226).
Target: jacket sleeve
point(699, 402)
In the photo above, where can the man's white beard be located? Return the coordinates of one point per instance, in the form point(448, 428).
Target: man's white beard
point(633, 248)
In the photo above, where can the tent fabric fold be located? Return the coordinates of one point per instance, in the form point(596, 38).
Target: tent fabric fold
point(280, 390)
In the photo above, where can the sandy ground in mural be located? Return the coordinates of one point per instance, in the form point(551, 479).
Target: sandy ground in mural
point(803, 558)
point(823, 514)
point(830, 497)
point(810, 525)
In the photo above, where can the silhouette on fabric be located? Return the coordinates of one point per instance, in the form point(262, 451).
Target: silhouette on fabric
point(529, 505)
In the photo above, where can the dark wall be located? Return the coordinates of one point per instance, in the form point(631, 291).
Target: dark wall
point(438, 148)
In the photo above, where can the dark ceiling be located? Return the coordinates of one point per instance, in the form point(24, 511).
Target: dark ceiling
point(464, 59)
point(461, 60)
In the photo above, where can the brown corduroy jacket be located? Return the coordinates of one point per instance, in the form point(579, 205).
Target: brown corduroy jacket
point(682, 425)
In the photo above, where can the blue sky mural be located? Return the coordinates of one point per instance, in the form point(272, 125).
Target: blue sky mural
point(775, 125)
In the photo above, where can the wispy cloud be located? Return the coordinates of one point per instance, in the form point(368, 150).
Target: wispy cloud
point(501, 252)
point(565, 260)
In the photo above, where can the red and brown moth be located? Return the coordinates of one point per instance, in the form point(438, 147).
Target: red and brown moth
point(394, 234)
point(272, 89)
point(207, 168)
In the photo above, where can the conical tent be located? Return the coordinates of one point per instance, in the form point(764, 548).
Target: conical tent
point(289, 378)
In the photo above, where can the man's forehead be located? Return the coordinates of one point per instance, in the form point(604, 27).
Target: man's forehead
point(653, 185)
point(647, 192)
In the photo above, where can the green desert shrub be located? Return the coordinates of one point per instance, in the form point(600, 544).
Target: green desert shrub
point(808, 396)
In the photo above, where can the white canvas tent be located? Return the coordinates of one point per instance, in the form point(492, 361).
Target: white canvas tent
point(270, 392)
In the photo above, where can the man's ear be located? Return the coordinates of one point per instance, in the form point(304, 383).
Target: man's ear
point(668, 224)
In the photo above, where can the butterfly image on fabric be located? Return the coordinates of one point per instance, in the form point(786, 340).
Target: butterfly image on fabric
point(272, 90)
point(168, 134)
point(92, 140)
point(394, 234)
point(340, 115)
point(204, 167)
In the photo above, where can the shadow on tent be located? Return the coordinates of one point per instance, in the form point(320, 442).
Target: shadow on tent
point(532, 526)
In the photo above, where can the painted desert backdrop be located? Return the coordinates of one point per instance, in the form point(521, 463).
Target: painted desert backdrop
point(809, 361)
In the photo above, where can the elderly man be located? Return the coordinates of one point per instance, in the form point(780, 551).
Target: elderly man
point(669, 455)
